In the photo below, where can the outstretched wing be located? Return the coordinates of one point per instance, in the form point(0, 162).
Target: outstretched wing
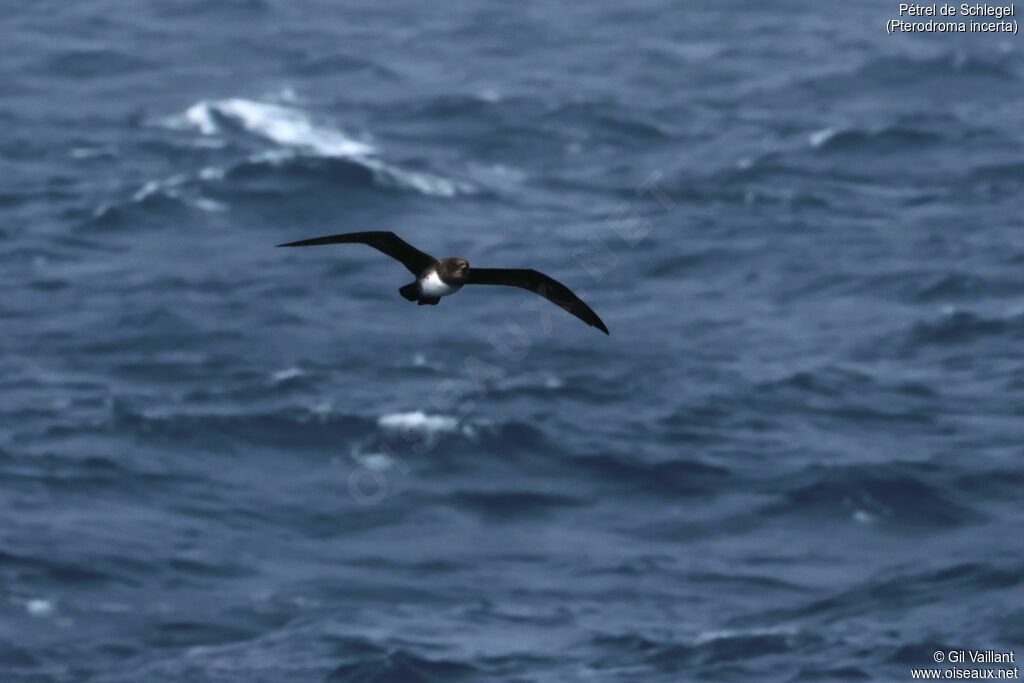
point(539, 283)
point(381, 240)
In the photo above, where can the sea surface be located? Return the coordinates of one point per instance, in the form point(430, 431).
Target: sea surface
point(798, 456)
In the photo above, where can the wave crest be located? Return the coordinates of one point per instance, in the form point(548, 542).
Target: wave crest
point(296, 137)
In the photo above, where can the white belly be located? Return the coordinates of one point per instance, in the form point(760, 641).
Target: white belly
point(433, 286)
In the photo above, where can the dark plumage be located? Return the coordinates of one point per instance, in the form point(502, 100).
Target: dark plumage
point(436, 278)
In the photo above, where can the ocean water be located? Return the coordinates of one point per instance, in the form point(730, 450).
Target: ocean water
point(797, 457)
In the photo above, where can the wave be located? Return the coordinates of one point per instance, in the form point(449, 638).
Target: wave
point(883, 140)
point(296, 139)
point(707, 648)
point(302, 152)
point(335, 63)
point(274, 122)
point(224, 10)
point(951, 64)
point(912, 77)
point(318, 427)
point(930, 148)
point(769, 179)
point(40, 570)
point(955, 326)
point(77, 475)
point(157, 202)
point(671, 478)
point(608, 118)
point(352, 171)
point(900, 592)
point(1012, 171)
point(996, 181)
point(838, 166)
point(962, 285)
point(401, 666)
point(418, 422)
point(510, 506)
point(94, 63)
point(898, 495)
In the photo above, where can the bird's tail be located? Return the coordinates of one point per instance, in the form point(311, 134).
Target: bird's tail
point(410, 292)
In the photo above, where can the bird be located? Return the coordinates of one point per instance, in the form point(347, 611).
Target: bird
point(437, 278)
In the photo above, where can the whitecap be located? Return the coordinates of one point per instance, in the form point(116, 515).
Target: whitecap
point(821, 137)
point(280, 124)
point(40, 608)
point(499, 176)
point(286, 374)
point(863, 517)
point(733, 634)
point(199, 115)
point(296, 134)
point(168, 187)
point(425, 183)
point(418, 421)
point(208, 205)
point(212, 173)
point(176, 188)
point(378, 462)
point(149, 189)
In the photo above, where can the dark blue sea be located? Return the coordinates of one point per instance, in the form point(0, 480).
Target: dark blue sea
point(799, 456)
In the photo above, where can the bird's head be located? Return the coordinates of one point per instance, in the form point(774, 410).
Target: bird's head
point(455, 269)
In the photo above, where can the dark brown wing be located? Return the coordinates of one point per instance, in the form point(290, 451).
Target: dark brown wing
point(381, 240)
point(539, 283)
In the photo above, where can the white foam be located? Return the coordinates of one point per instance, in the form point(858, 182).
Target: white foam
point(296, 133)
point(418, 421)
point(212, 173)
point(39, 607)
point(208, 205)
point(148, 190)
point(274, 157)
point(376, 461)
point(171, 187)
point(286, 374)
point(821, 137)
point(731, 634)
point(199, 115)
point(425, 183)
point(284, 125)
point(863, 517)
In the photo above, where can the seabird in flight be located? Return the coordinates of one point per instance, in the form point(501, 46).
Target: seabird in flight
point(436, 278)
